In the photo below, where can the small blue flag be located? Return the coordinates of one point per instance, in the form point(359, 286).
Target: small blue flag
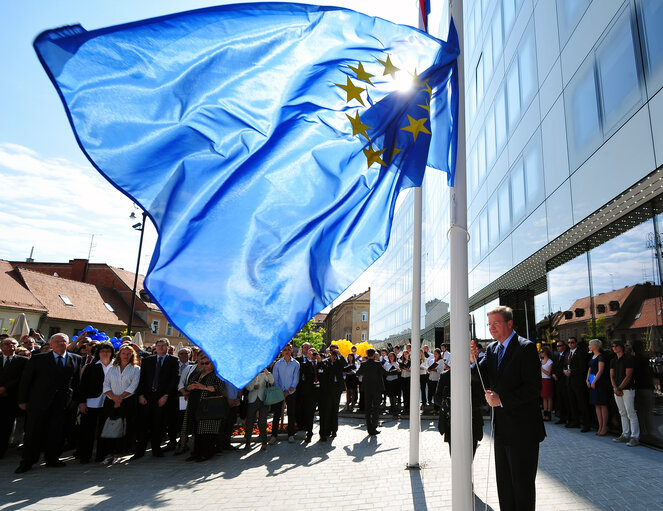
point(268, 144)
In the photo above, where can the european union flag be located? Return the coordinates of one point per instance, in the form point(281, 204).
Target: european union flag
point(268, 144)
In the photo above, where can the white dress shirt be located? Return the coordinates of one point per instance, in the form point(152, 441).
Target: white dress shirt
point(119, 382)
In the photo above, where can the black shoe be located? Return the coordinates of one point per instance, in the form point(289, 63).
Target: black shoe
point(323, 438)
point(56, 464)
point(83, 461)
point(585, 429)
point(309, 436)
point(560, 421)
point(192, 458)
point(572, 425)
point(22, 468)
point(157, 454)
point(203, 458)
point(136, 456)
point(333, 434)
point(170, 447)
point(231, 448)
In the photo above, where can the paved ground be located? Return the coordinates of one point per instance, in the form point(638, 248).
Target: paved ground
point(576, 472)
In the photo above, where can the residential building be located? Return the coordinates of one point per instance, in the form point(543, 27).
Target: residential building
point(349, 320)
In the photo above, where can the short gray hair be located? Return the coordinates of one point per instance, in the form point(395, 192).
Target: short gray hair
point(502, 310)
point(596, 342)
point(59, 334)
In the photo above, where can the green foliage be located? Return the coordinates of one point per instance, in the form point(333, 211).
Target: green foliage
point(596, 329)
point(310, 334)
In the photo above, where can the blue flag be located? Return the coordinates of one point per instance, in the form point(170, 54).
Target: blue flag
point(268, 144)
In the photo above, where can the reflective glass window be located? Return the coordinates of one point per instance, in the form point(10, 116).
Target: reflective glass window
point(513, 95)
point(496, 34)
point(618, 72)
point(569, 13)
point(493, 222)
point(533, 176)
point(481, 155)
point(473, 173)
point(517, 191)
point(651, 21)
point(479, 78)
point(504, 208)
point(509, 11)
point(582, 113)
point(527, 66)
point(484, 232)
point(490, 138)
point(500, 120)
point(567, 284)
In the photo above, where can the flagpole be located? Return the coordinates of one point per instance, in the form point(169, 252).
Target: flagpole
point(415, 416)
point(461, 414)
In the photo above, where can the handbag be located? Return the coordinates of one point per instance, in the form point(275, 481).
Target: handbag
point(273, 395)
point(114, 428)
point(213, 407)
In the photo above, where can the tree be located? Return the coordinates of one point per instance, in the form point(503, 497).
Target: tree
point(596, 329)
point(310, 334)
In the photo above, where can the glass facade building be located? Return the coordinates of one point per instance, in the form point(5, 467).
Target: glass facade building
point(564, 151)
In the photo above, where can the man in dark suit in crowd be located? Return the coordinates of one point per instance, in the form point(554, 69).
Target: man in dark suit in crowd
point(11, 368)
point(561, 385)
point(576, 373)
point(157, 398)
point(373, 375)
point(48, 386)
point(329, 402)
point(511, 371)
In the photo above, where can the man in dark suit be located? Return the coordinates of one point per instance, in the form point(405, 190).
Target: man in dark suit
point(561, 385)
point(373, 375)
point(511, 371)
point(332, 398)
point(11, 368)
point(577, 362)
point(157, 394)
point(48, 386)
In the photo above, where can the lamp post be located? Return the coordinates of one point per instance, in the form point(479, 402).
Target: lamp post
point(139, 227)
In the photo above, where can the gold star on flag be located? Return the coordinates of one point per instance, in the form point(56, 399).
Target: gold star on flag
point(418, 84)
point(352, 91)
point(394, 151)
point(358, 126)
point(362, 74)
point(389, 68)
point(373, 156)
point(426, 106)
point(416, 125)
point(428, 89)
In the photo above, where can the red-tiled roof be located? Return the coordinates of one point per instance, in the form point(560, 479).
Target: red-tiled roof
point(13, 293)
point(88, 301)
point(648, 314)
point(320, 317)
point(128, 278)
point(617, 295)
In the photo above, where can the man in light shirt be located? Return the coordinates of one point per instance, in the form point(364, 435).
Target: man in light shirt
point(286, 376)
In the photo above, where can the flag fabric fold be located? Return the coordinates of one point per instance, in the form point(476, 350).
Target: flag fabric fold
point(268, 144)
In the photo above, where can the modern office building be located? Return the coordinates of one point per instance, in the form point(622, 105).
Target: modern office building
point(564, 149)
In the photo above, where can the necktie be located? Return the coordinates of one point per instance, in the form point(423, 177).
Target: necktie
point(157, 370)
point(60, 362)
point(500, 354)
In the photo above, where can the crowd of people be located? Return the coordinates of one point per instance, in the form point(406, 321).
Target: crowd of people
point(109, 403)
point(586, 384)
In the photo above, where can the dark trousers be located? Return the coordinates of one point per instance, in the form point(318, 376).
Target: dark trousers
point(515, 467)
point(226, 429)
point(579, 404)
point(8, 412)
point(291, 405)
point(309, 402)
point(431, 386)
point(372, 411)
point(405, 389)
point(562, 399)
point(172, 419)
point(423, 383)
point(204, 446)
point(151, 424)
point(45, 428)
point(91, 423)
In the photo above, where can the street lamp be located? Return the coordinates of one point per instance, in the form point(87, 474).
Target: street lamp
point(140, 226)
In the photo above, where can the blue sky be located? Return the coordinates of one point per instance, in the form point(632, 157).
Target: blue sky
point(54, 200)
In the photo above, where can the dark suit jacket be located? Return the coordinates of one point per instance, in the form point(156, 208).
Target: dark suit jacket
point(10, 378)
point(92, 382)
point(335, 371)
point(578, 364)
point(42, 381)
point(559, 364)
point(372, 374)
point(518, 383)
point(168, 376)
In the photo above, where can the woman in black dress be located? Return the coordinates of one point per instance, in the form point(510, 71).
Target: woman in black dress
point(599, 385)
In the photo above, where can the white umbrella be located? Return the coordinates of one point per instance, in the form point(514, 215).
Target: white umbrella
point(20, 327)
point(138, 340)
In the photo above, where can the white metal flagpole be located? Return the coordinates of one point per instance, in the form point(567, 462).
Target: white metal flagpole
point(461, 409)
point(415, 417)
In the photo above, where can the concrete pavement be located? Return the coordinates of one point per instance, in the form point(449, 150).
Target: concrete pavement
point(576, 472)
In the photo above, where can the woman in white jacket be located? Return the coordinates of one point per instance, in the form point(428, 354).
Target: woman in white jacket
point(256, 399)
